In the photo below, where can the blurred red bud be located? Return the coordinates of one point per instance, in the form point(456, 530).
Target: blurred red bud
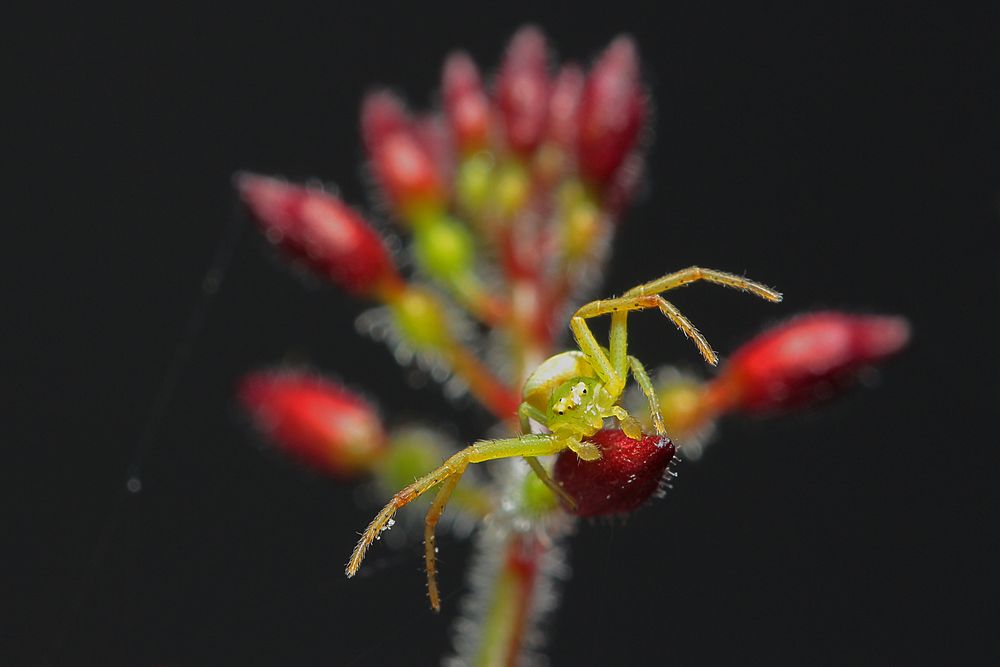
point(564, 107)
point(628, 473)
point(404, 165)
point(626, 183)
point(319, 229)
point(382, 114)
point(432, 134)
point(314, 420)
point(522, 89)
point(612, 110)
point(465, 103)
point(806, 359)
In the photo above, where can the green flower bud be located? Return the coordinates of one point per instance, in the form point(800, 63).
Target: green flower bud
point(473, 182)
point(420, 319)
point(443, 248)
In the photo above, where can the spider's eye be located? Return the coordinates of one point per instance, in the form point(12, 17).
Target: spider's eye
point(561, 412)
point(584, 391)
point(572, 406)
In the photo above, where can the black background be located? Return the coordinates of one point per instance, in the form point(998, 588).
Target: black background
point(848, 155)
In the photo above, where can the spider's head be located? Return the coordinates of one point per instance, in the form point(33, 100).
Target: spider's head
point(576, 406)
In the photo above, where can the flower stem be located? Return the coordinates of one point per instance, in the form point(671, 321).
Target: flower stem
point(516, 567)
point(483, 384)
point(504, 629)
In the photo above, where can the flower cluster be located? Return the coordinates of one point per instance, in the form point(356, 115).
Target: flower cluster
point(508, 196)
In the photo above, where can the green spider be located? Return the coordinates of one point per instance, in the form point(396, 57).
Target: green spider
point(570, 394)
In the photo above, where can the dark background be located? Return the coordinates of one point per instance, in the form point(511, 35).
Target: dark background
point(848, 155)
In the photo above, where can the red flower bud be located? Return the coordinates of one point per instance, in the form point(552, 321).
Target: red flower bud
point(465, 103)
point(522, 90)
point(319, 229)
point(314, 420)
point(627, 474)
point(430, 131)
point(626, 183)
point(382, 114)
point(612, 111)
point(564, 107)
point(806, 359)
point(403, 164)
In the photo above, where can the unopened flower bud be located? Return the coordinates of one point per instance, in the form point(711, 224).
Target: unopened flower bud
point(806, 359)
point(432, 134)
point(420, 319)
point(682, 405)
point(611, 112)
point(444, 248)
point(465, 103)
point(581, 219)
point(522, 90)
point(564, 107)
point(628, 473)
point(626, 183)
point(404, 165)
point(557, 152)
point(382, 114)
point(320, 230)
point(473, 181)
point(314, 420)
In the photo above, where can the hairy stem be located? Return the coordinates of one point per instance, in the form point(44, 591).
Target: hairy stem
point(516, 568)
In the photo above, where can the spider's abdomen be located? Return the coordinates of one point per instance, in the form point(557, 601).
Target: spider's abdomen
point(552, 373)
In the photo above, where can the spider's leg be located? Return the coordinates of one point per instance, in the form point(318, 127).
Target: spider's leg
point(540, 444)
point(621, 305)
point(613, 381)
point(618, 342)
point(642, 379)
point(528, 411)
point(689, 330)
point(547, 480)
point(695, 273)
point(404, 496)
point(449, 473)
point(430, 543)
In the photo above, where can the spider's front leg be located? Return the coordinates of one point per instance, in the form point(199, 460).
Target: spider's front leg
point(647, 295)
point(695, 273)
point(448, 476)
point(613, 366)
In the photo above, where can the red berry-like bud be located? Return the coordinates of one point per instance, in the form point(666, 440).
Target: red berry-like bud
point(626, 183)
point(432, 134)
point(612, 111)
point(403, 164)
point(314, 420)
point(806, 359)
point(320, 230)
point(522, 90)
point(382, 114)
point(627, 474)
point(465, 103)
point(564, 107)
